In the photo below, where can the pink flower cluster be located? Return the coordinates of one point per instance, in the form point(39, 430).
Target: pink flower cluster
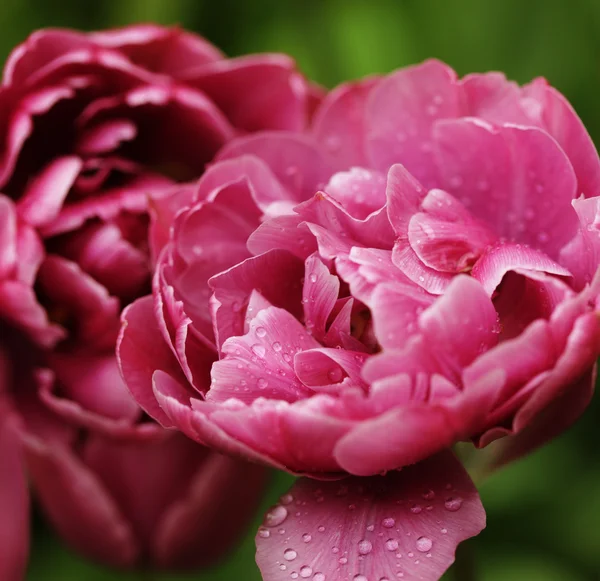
point(342, 287)
point(94, 129)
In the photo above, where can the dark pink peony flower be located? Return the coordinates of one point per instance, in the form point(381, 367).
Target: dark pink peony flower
point(95, 129)
point(418, 269)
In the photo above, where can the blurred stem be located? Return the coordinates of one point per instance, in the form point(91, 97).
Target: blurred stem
point(464, 567)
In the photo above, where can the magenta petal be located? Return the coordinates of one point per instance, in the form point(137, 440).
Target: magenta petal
point(320, 293)
point(296, 160)
point(515, 179)
point(14, 503)
point(261, 362)
point(64, 486)
point(339, 123)
point(8, 237)
point(499, 260)
point(376, 528)
point(213, 513)
point(275, 95)
point(401, 113)
point(141, 350)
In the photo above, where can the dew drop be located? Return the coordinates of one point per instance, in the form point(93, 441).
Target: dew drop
point(259, 350)
point(321, 529)
point(286, 499)
point(365, 547)
point(411, 555)
point(305, 572)
point(289, 554)
point(424, 544)
point(319, 577)
point(282, 567)
point(306, 538)
point(359, 577)
point(264, 533)
point(262, 383)
point(444, 531)
point(428, 495)
point(421, 278)
point(371, 528)
point(335, 375)
point(342, 560)
point(313, 277)
point(384, 579)
point(294, 575)
point(391, 544)
point(276, 346)
point(275, 516)
point(388, 523)
point(261, 332)
point(453, 503)
point(415, 509)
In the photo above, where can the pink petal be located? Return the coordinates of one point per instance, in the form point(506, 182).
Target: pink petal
point(285, 233)
point(19, 306)
point(171, 51)
point(64, 487)
point(407, 261)
point(372, 528)
point(14, 503)
point(515, 179)
point(560, 120)
point(359, 191)
point(257, 91)
point(404, 196)
point(401, 113)
point(445, 236)
point(582, 254)
point(339, 122)
point(260, 363)
point(296, 160)
point(140, 351)
point(491, 268)
point(205, 523)
point(8, 237)
point(93, 381)
point(319, 296)
point(105, 137)
point(276, 275)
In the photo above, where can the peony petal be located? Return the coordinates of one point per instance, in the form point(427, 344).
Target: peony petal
point(212, 513)
point(275, 95)
point(319, 296)
point(260, 364)
point(339, 122)
point(401, 113)
point(372, 528)
point(8, 238)
point(140, 351)
point(296, 160)
point(515, 179)
point(14, 502)
point(491, 268)
point(64, 487)
point(284, 233)
point(359, 191)
point(276, 275)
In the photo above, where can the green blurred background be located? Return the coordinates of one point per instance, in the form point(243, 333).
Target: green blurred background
point(543, 512)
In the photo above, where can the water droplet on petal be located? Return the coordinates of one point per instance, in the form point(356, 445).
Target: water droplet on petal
point(444, 531)
point(388, 523)
point(371, 528)
point(428, 495)
point(258, 350)
point(306, 538)
point(294, 575)
point(305, 572)
point(275, 516)
point(359, 577)
point(289, 554)
point(342, 560)
point(313, 277)
point(262, 383)
point(261, 332)
point(264, 533)
point(286, 499)
point(276, 346)
point(365, 547)
point(415, 509)
point(335, 375)
point(391, 544)
point(453, 503)
point(319, 577)
point(424, 544)
point(321, 529)
point(282, 567)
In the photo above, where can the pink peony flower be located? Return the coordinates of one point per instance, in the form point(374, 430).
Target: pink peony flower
point(94, 129)
point(418, 269)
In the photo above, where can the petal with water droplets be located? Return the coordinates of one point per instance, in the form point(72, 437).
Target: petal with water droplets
point(407, 522)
